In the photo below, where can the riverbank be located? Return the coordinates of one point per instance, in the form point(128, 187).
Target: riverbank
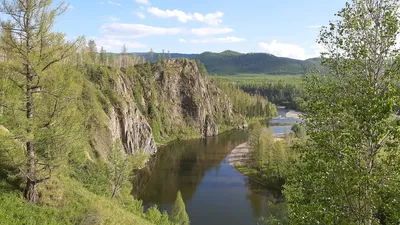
point(294, 114)
point(238, 159)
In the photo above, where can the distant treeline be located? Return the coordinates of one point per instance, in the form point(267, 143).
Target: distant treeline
point(251, 106)
point(283, 94)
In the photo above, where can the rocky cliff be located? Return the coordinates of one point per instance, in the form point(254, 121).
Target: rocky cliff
point(154, 102)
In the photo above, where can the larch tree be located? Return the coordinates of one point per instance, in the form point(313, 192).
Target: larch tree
point(348, 169)
point(39, 91)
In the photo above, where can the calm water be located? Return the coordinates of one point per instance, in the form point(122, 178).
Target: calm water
point(213, 191)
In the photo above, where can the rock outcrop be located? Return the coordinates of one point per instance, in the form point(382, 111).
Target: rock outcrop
point(158, 102)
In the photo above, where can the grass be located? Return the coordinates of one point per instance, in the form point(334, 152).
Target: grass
point(75, 205)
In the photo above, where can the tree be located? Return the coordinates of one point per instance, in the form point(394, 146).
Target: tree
point(112, 61)
point(163, 55)
point(103, 56)
point(123, 59)
point(178, 214)
point(169, 55)
point(151, 55)
point(298, 130)
point(154, 215)
point(93, 51)
point(41, 92)
point(348, 168)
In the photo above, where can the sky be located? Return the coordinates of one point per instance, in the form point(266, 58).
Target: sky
point(286, 28)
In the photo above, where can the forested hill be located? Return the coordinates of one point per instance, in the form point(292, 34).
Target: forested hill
point(231, 62)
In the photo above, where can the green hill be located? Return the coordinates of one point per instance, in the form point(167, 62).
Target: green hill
point(230, 62)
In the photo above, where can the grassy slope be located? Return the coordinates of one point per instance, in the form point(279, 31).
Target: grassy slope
point(74, 205)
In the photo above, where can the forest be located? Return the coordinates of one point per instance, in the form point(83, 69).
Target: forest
point(340, 165)
point(76, 121)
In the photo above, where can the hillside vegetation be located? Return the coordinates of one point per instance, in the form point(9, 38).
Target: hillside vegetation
point(75, 124)
point(233, 63)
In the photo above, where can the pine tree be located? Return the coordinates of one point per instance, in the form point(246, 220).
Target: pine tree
point(93, 51)
point(163, 55)
point(103, 56)
point(151, 55)
point(178, 214)
point(169, 55)
point(42, 96)
point(123, 58)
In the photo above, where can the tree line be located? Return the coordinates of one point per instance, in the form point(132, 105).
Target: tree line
point(345, 170)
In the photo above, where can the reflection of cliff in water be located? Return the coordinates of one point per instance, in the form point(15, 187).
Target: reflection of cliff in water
point(263, 206)
point(181, 165)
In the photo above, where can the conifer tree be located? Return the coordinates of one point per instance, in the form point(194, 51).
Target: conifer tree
point(151, 55)
point(92, 51)
point(179, 214)
point(40, 101)
point(103, 56)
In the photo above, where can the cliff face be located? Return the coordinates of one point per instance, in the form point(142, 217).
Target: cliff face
point(183, 101)
point(160, 101)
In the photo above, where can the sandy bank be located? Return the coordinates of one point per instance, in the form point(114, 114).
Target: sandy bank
point(293, 114)
point(240, 155)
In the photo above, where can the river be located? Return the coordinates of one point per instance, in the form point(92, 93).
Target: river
point(213, 191)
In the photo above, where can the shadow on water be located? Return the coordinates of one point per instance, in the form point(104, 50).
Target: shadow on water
point(213, 191)
point(181, 165)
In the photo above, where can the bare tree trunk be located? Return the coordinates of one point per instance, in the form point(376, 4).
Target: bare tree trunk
point(31, 193)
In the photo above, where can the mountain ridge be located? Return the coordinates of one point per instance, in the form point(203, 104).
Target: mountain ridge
point(230, 62)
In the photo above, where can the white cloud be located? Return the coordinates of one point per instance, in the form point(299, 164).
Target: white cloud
point(213, 40)
point(284, 50)
point(181, 16)
point(115, 45)
point(123, 30)
point(70, 7)
point(101, 3)
point(210, 19)
point(140, 15)
point(318, 49)
point(290, 50)
point(114, 3)
point(145, 2)
point(205, 31)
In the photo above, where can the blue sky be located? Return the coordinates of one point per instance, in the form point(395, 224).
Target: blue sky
point(287, 28)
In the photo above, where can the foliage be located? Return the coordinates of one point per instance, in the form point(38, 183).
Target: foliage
point(270, 157)
point(347, 172)
point(298, 130)
point(231, 63)
point(178, 214)
point(283, 90)
point(245, 104)
point(155, 216)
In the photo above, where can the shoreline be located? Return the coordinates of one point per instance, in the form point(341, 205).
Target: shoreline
point(240, 154)
point(294, 114)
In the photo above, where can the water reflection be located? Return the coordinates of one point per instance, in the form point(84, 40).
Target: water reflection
point(214, 192)
point(181, 165)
